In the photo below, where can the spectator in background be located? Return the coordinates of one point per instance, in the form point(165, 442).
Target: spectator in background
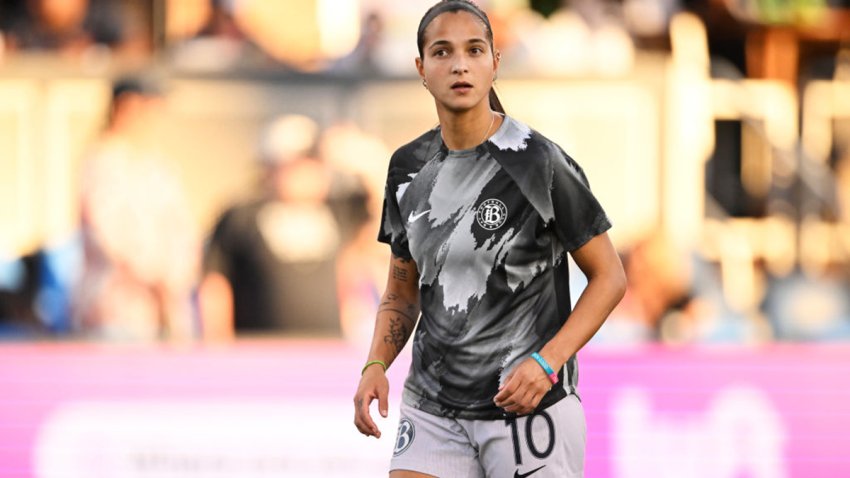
point(18, 286)
point(364, 58)
point(215, 43)
point(124, 27)
point(674, 297)
point(805, 306)
point(658, 284)
point(74, 28)
point(362, 265)
point(56, 25)
point(271, 260)
point(140, 244)
point(36, 290)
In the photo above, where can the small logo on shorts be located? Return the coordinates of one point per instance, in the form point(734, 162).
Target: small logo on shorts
point(517, 474)
point(406, 433)
point(491, 214)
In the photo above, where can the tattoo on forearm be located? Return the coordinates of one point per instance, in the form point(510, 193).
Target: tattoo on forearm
point(399, 273)
point(390, 299)
point(407, 315)
point(406, 309)
point(398, 333)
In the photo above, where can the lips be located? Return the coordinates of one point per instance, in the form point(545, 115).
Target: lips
point(461, 86)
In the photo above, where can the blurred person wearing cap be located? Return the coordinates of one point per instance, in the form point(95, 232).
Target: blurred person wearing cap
point(271, 260)
point(141, 247)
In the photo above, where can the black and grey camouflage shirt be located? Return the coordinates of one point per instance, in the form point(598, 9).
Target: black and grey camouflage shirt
point(488, 229)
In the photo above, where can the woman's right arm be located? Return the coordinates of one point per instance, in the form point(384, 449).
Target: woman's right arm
point(395, 320)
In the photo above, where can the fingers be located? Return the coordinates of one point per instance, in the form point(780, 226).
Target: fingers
point(505, 391)
point(382, 402)
point(362, 419)
point(523, 389)
point(527, 404)
point(510, 396)
point(369, 390)
point(517, 403)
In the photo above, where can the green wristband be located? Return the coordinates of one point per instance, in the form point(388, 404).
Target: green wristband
point(373, 362)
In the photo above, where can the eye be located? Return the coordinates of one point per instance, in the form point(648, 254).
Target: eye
point(476, 50)
point(440, 52)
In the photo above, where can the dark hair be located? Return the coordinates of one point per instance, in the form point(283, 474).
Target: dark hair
point(141, 84)
point(456, 6)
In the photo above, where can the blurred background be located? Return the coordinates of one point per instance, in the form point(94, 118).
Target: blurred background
point(190, 193)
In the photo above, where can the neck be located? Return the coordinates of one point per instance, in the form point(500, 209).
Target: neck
point(468, 129)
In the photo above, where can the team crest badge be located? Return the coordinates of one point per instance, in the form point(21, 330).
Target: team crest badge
point(491, 214)
point(406, 433)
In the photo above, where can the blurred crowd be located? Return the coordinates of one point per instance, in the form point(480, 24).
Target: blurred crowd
point(537, 37)
point(297, 253)
point(140, 269)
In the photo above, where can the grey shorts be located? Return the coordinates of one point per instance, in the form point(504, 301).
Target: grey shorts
point(549, 443)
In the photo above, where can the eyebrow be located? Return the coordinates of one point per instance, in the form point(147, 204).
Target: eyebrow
point(446, 42)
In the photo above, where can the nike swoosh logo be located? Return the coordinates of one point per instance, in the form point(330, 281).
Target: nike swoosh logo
point(523, 475)
point(413, 217)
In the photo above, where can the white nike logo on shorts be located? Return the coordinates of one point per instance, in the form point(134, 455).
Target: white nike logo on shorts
point(413, 217)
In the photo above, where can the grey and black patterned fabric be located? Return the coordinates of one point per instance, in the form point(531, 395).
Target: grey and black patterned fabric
point(488, 229)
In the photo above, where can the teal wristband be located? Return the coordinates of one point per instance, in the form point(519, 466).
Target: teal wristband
point(553, 377)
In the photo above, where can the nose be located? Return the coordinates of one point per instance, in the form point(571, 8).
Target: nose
point(460, 67)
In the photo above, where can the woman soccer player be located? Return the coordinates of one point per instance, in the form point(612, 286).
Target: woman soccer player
point(480, 213)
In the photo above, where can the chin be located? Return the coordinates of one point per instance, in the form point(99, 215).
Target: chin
point(460, 106)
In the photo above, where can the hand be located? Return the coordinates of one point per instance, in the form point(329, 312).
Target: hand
point(523, 389)
point(373, 384)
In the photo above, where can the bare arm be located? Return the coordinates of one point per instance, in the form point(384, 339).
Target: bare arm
point(606, 284)
point(215, 301)
point(395, 320)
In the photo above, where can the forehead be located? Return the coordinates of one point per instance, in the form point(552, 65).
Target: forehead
point(455, 26)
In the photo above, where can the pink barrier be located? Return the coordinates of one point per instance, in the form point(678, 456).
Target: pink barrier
point(68, 409)
point(767, 412)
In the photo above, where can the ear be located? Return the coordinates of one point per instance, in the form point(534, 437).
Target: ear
point(497, 60)
point(420, 68)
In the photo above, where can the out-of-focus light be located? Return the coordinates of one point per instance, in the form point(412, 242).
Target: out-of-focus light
point(817, 119)
point(285, 29)
point(778, 243)
point(564, 44)
point(612, 52)
point(20, 205)
point(778, 104)
point(739, 281)
point(808, 12)
point(815, 245)
point(559, 45)
point(339, 26)
point(645, 17)
point(505, 4)
point(689, 41)
point(185, 18)
point(302, 33)
point(689, 115)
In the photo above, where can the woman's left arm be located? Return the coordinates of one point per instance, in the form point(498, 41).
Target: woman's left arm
point(526, 385)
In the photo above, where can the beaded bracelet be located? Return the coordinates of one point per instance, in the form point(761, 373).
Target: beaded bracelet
point(373, 362)
point(553, 377)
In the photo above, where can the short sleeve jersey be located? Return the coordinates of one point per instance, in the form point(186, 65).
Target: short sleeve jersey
point(488, 229)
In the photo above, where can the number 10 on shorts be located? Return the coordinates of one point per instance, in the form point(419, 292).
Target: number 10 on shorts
point(536, 449)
